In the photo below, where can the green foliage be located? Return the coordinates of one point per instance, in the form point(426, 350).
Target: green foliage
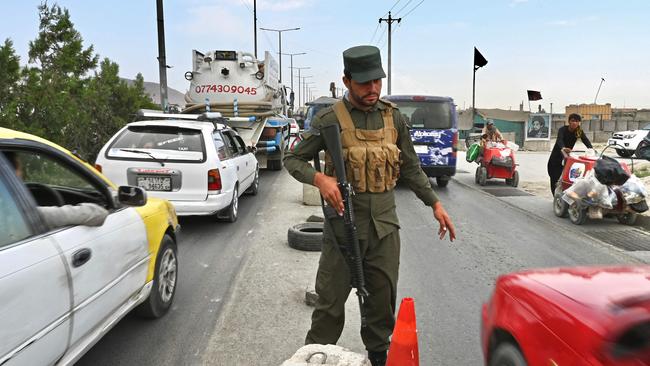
point(65, 94)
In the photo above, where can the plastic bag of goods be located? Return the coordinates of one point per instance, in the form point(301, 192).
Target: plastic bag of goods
point(472, 152)
point(633, 190)
point(589, 189)
point(609, 171)
point(511, 145)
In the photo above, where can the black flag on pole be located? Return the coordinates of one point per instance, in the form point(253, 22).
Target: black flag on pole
point(534, 95)
point(479, 60)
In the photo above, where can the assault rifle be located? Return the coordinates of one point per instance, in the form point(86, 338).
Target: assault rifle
point(352, 252)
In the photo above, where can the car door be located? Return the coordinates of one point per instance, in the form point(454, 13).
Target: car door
point(247, 163)
point(230, 166)
point(107, 263)
point(35, 291)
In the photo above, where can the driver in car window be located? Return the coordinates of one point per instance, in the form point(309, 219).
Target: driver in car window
point(86, 213)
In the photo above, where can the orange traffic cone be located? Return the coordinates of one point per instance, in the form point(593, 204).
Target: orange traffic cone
point(404, 343)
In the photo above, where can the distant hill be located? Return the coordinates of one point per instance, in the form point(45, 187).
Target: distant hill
point(153, 90)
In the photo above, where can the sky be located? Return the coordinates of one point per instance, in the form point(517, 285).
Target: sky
point(560, 47)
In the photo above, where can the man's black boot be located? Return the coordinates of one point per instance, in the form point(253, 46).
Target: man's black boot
point(377, 358)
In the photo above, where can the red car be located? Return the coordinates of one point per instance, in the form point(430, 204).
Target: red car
point(569, 317)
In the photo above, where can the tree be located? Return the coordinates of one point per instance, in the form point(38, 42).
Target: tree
point(9, 77)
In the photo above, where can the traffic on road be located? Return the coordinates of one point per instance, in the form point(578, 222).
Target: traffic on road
point(332, 214)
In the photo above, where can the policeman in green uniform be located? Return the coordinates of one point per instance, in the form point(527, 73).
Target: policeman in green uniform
point(377, 150)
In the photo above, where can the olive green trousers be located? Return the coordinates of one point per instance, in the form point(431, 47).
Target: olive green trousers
point(381, 265)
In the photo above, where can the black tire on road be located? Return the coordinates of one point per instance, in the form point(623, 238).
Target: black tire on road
point(254, 188)
point(624, 153)
point(507, 354)
point(482, 176)
point(477, 174)
point(164, 281)
point(628, 218)
point(442, 181)
point(560, 207)
point(307, 236)
point(274, 164)
point(230, 213)
point(577, 214)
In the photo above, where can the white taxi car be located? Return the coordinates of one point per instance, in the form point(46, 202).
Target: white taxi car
point(200, 167)
point(63, 288)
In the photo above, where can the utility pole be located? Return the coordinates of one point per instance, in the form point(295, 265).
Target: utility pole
point(305, 85)
point(299, 93)
point(291, 67)
point(280, 43)
point(390, 21)
point(601, 84)
point(255, 26)
point(162, 61)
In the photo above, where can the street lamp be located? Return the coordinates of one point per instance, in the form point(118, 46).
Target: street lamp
point(291, 67)
point(304, 87)
point(280, 43)
point(299, 68)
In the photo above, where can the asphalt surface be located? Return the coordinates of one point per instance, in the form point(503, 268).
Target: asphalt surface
point(240, 300)
point(210, 256)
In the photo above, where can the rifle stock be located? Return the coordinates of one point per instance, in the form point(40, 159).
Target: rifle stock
point(332, 137)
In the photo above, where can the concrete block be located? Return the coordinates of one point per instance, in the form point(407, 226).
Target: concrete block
point(621, 125)
point(633, 125)
point(326, 354)
point(590, 135)
point(537, 145)
point(609, 126)
point(601, 136)
point(310, 195)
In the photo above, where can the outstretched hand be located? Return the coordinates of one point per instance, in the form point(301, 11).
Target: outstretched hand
point(329, 189)
point(443, 219)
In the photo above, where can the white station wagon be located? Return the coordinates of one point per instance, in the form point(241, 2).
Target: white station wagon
point(200, 167)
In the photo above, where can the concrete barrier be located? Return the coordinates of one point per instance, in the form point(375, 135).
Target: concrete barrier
point(537, 145)
point(609, 126)
point(621, 125)
point(310, 195)
point(632, 125)
point(326, 354)
point(601, 136)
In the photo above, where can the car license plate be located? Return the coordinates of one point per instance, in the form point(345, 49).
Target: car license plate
point(151, 183)
point(421, 149)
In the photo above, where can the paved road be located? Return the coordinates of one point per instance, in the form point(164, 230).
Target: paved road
point(210, 256)
point(240, 300)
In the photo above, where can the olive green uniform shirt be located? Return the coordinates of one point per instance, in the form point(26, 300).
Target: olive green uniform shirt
point(375, 208)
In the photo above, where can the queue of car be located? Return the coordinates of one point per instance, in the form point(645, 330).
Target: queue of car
point(92, 275)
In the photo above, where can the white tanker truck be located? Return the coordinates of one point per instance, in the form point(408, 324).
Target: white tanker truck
point(247, 92)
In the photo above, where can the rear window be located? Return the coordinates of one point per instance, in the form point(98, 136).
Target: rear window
point(163, 142)
point(426, 114)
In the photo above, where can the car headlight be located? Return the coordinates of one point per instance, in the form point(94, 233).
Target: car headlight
point(629, 136)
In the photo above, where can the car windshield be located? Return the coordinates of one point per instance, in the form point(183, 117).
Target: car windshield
point(426, 114)
point(647, 127)
point(158, 142)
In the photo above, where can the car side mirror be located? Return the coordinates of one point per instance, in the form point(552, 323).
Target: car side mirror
point(251, 149)
point(132, 196)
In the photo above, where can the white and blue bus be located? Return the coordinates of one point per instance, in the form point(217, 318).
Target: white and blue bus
point(434, 131)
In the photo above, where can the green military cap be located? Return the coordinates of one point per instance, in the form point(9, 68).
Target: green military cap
point(363, 63)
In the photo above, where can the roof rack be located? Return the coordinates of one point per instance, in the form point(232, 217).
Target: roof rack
point(214, 117)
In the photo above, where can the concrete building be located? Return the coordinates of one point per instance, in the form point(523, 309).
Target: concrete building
point(591, 111)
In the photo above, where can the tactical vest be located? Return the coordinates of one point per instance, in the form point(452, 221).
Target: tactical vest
point(371, 156)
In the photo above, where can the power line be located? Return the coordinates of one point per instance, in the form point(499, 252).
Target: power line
point(382, 36)
point(375, 33)
point(246, 5)
point(394, 5)
point(402, 8)
point(410, 11)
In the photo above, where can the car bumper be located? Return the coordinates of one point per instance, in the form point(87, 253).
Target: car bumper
point(619, 144)
point(439, 171)
point(211, 205)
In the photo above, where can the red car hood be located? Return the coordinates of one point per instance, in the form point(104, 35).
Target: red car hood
point(596, 286)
